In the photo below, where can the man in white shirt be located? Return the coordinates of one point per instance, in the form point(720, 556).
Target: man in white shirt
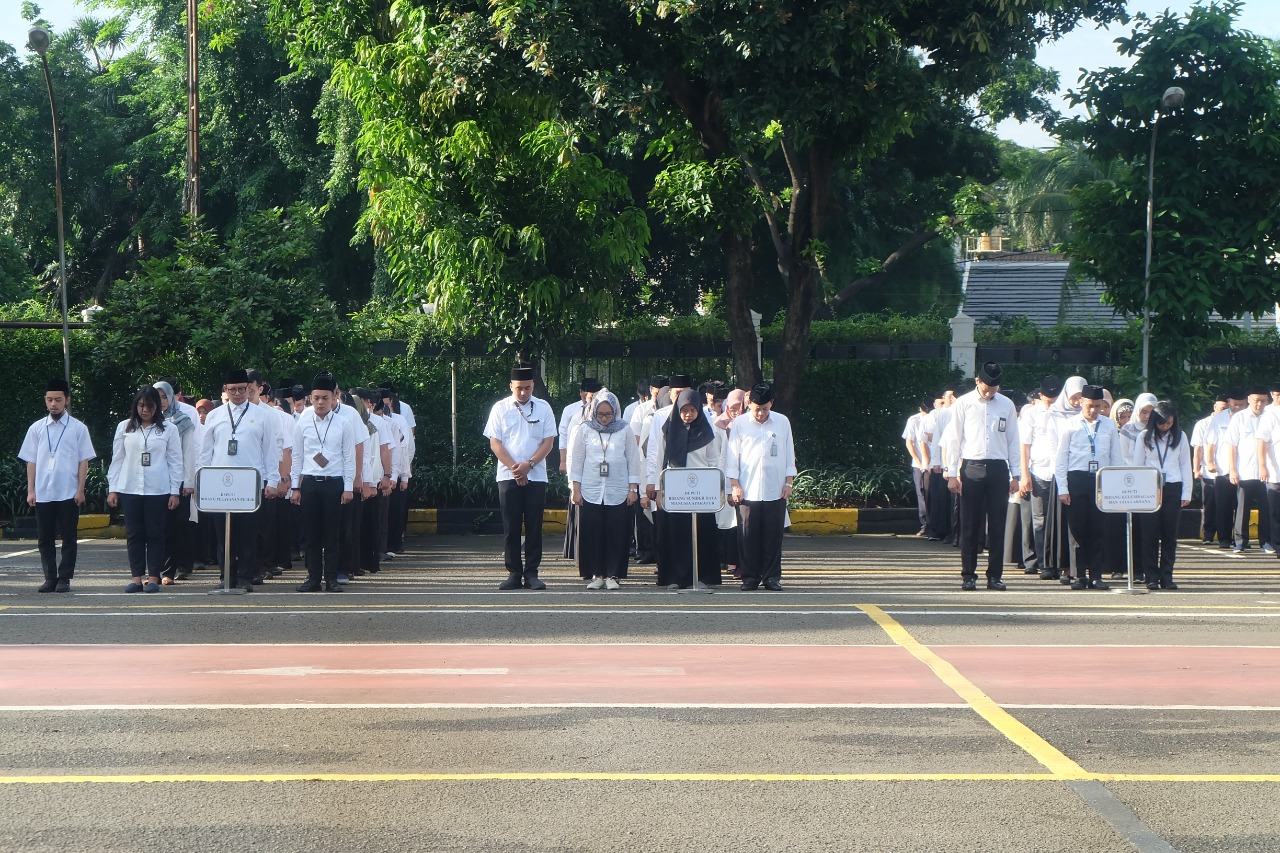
point(913, 438)
point(377, 480)
point(1244, 472)
point(57, 451)
point(990, 467)
point(940, 501)
point(760, 462)
point(1038, 430)
point(1087, 444)
point(656, 383)
point(323, 477)
point(521, 430)
point(239, 434)
point(398, 501)
point(1199, 447)
point(1218, 465)
point(642, 394)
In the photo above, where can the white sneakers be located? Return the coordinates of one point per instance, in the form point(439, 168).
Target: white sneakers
point(611, 583)
point(598, 582)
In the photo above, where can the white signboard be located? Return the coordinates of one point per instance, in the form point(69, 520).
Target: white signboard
point(228, 489)
point(691, 489)
point(1129, 490)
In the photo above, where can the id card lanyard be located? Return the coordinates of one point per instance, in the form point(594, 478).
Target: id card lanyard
point(146, 453)
point(604, 461)
point(233, 445)
point(53, 448)
point(319, 458)
point(1093, 446)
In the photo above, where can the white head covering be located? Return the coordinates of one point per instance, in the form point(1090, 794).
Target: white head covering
point(1146, 398)
point(1062, 406)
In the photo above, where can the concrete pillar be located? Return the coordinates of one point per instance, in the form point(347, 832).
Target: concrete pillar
point(964, 349)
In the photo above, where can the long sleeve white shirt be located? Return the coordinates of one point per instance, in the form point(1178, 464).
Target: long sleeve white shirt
point(1241, 434)
point(162, 476)
point(988, 429)
point(1076, 451)
point(589, 449)
point(333, 438)
point(1176, 464)
point(653, 448)
point(1199, 438)
point(1268, 435)
point(761, 456)
point(254, 433)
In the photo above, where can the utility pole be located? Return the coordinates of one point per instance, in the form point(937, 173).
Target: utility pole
point(191, 194)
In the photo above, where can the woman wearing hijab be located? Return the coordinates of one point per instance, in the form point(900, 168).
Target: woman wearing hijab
point(144, 480)
point(1131, 427)
point(1164, 446)
point(688, 440)
point(1058, 545)
point(727, 517)
point(604, 481)
point(177, 545)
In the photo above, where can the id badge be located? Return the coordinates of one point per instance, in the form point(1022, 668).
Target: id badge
point(1003, 424)
point(233, 446)
point(146, 459)
point(773, 450)
point(320, 460)
point(53, 462)
point(604, 469)
point(1093, 466)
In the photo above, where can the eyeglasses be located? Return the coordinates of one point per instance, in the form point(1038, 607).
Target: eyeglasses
point(604, 416)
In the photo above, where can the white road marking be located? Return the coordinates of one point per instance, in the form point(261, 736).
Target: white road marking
point(300, 671)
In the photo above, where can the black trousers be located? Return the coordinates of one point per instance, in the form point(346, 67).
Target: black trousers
point(288, 522)
point(984, 507)
point(1087, 522)
point(940, 504)
point(522, 507)
point(1251, 495)
point(675, 555)
point(604, 530)
point(57, 520)
point(146, 520)
point(349, 534)
point(244, 544)
point(1208, 509)
point(321, 521)
point(177, 543)
point(397, 519)
point(268, 527)
point(760, 541)
point(1224, 496)
point(370, 514)
point(1160, 536)
point(644, 533)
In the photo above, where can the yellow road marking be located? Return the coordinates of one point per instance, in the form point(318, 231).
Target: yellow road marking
point(1033, 744)
point(159, 778)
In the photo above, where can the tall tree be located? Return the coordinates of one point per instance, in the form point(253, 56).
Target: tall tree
point(1217, 180)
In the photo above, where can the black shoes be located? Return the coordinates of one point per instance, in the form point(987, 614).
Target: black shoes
point(1079, 583)
point(1099, 585)
point(1153, 586)
point(513, 581)
point(996, 585)
point(246, 586)
point(1050, 575)
point(532, 581)
point(333, 587)
point(63, 586)
point(748, 586)
point(310, 586)
point(47, 586)
point(969, 586)
point(773, 585)
point(1031, 571)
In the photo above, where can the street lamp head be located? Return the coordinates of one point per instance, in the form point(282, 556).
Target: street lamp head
point(1173, 98)
point(39, 39)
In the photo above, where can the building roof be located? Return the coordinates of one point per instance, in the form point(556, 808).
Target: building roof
point(1039, 286)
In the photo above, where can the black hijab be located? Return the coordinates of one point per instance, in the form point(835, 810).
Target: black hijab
point(681, 437)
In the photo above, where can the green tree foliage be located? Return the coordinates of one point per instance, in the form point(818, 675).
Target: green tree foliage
point(1035, 190)
point(1217, 172)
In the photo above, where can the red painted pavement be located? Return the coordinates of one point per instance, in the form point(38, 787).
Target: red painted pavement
point(702, 674)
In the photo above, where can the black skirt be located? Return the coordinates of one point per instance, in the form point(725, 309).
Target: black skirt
point(604, 536)
point(675, 550)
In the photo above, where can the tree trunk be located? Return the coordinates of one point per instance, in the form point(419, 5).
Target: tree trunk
point(737, 300)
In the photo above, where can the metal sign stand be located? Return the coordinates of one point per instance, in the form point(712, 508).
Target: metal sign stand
point(691, 502)
point(227, 588)
point(697, 586)
point(1128, 543)
point(1138, 489)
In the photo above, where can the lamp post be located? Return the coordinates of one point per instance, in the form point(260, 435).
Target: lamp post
point(1172, 99)
point(39, 39)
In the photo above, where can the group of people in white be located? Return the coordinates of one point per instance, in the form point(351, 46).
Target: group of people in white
point(989, 465)
point(334, 468)
point(614, 459)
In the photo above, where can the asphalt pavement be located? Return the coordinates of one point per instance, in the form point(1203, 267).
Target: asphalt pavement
point(871, 706)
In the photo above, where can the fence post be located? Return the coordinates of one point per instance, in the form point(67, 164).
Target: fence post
point(964, 350)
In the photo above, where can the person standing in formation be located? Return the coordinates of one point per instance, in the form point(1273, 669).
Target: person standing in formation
point(727, 517)
point(1243, 470)
point(989, 453)
point(521, 430)
point(1038, 431)
point(939, 496)
point(1163, 446)
point(1088, 442)
point(604, 478)
point(573, 416)
point(1199, 447)
point(57, 451)
point(913, 437)
point(145, 479)
point(761, 466)
point(1218, 463)
point(323, 478)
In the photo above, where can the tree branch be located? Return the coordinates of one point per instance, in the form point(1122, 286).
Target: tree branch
point(913, 244)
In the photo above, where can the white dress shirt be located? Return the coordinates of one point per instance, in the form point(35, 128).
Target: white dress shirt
point(1176, 464)
point(1268, 435)
point(708, 456)
point(57, 448)
point(1216, 436)
point(1242, 435)
point(382, 437)
point(406, 412)
point(914, 434)
point(254, 432)
point(988, 430)
point(334, 438)
point(521, 428)
point(163, 475)
point(933, 427)
point(1076, 450)
point(408, 446)
point(653, 453)
point(1199, 438)
point(761, 456)
point(589, 449)
point(392, 428)
point(1039, 430)
point(642, 411)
